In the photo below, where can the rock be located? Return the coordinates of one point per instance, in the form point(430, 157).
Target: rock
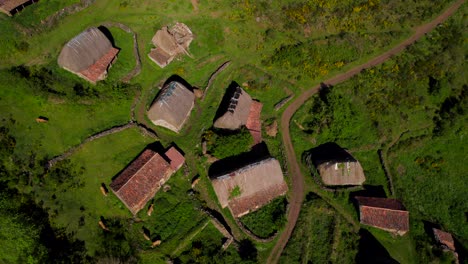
point(103, 190)
point(195, 182)
point(198, 92)
point(150, 210)
point(156, 243)
point(204, 147)
point(272, 130)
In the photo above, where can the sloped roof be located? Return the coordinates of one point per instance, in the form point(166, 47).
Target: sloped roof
point(166, 41)
point(259, 183)
point(384, 213)
point(253, 123)
point(175, 157)
point(444, 238)
point(98, 70)
point(9, 5)
point(172, 106)
point(235, 109)
point(342, 173)
point(139, 181)
point(84, 50)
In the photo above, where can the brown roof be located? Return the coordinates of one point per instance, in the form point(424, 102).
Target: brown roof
point(160, 57)
point(259, 183)
point(444, 238)
point(169, 43)
point(98, 70)
point(253, 123)
point(85, 50)
point(8, 5)
point(165, 41)
point(172, 106)
point(236, 110)
point(384, 213)
point(139, 181)
point(175, 157)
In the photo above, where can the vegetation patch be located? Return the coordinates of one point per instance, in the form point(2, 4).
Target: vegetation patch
point(223, 145)
point(320, 235)
point(267, 220)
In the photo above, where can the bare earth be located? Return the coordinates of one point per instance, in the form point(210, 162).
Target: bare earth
point(297, 188)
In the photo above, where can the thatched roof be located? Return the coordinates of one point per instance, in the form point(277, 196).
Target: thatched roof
point(337, 166)
point(384, 213)
point(6, 6)
point(235, 109)
point(84, 50)
point(172, 106)
point(257, 183)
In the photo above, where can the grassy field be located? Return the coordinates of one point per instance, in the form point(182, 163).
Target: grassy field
point(267, 49)
point(320, 235)
point(414, 112)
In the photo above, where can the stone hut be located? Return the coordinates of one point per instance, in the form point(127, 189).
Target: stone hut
point(247, 189)
point(142, 178)
point(169, 43)
point(11, 7)
point(88, 55)
point(384, 213)
point(234, 108)
point(172, 106)
point(336, 166)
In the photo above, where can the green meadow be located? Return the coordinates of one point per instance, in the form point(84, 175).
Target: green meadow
point(412, 108)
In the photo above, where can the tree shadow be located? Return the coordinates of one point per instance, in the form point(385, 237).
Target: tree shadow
point(371, 250)
point(257, 153)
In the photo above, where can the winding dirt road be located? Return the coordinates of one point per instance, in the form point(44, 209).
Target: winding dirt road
point(297, 190)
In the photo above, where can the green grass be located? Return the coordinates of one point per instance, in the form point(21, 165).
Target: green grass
point(125, 58)
point(400, 248)
point(268, 220)
point(320, 235)
point(224, 31)
point(102, 160)
point(70, 121)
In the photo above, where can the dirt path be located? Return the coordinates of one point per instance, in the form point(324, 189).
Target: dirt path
point(297, 188)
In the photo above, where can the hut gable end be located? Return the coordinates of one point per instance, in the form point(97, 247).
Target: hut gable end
point(384, 213)
point(172, 106)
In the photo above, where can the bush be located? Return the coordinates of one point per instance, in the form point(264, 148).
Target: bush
point(223, 146)
point(266, 221)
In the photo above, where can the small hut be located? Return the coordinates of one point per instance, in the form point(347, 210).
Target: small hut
point(336, 166)
point(234, 109)
point(11, 7)
point(172, 106)
point(88, 55)
point(384, 213)
point(140, 180)
point(250, 187)
point(169, 43)
point(445, 239)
